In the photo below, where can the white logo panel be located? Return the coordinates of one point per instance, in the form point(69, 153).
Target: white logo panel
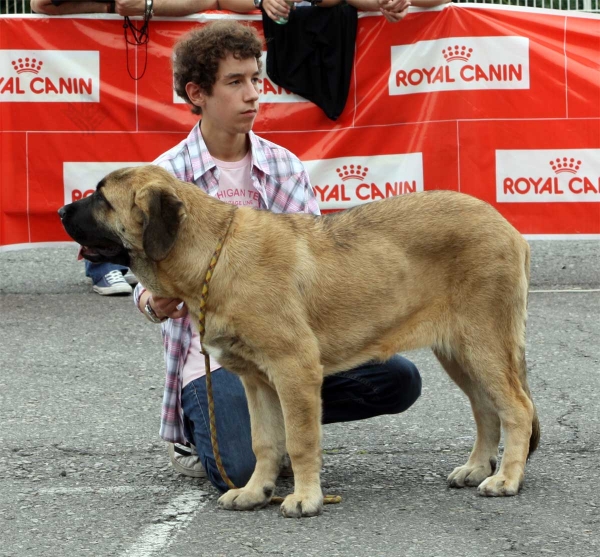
point(460, 63)
point(548, 176)
point(344, 182)
point(49, 76)
point(81, 178)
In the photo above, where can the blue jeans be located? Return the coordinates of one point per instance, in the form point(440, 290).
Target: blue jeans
point(367, 391)
point(96, 271)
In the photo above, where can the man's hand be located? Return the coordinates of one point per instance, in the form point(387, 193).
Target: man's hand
point(276, 9)
point(167, 307)
point(394, 10)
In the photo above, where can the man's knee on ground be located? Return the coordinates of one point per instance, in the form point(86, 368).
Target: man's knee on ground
point(406, 384)
point(239, 474)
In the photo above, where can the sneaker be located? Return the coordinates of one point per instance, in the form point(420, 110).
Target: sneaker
point(112, 284)
point(186, 461)
point(130, 278)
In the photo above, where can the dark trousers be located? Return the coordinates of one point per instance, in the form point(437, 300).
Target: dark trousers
point(367, 391)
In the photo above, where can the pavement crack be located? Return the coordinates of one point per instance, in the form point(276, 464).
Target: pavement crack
point(563, 420)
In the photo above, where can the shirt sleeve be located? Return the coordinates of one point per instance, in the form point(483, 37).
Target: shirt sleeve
point(174, 164)
point(137, 294)
point(311, 205)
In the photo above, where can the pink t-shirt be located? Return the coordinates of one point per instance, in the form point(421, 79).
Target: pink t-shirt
point(235, 183)
point(235, 187)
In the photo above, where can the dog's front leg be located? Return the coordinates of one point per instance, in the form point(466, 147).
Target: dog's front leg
point(299, 391)
point(268, 444)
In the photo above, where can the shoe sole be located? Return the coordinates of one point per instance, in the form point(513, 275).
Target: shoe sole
point(192, 473)
point(117, 290)
point(131, 279)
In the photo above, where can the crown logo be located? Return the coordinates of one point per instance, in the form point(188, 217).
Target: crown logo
point(349, 172)
point(565, 165)
point(457, 53)
point(30, 65)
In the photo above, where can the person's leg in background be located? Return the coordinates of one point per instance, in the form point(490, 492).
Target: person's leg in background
point(373, 389)
point(109, 279)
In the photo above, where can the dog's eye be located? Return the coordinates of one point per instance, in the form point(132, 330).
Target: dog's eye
point(102, 199)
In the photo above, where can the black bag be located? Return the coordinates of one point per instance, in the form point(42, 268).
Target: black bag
point(313, 54)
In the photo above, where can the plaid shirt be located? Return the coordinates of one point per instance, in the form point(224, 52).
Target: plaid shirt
point(284, 187)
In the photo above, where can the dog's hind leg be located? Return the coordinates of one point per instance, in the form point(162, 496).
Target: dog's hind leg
point(483, 458)
point(494, 369)
point(268, 445)
point(519, 423)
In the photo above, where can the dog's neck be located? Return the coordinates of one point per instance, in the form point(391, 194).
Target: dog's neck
point(184, 269)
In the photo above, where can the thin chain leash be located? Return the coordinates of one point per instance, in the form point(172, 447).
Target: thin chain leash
point(209, 393)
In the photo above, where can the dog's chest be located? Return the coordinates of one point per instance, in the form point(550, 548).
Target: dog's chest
point(214, 351)
point(231, 353)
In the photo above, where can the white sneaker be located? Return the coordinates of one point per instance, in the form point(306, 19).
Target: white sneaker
point(186, 461)
point(130, 278)
point(112, 284)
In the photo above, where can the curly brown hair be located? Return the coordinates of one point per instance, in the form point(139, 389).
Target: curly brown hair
point(196, 55)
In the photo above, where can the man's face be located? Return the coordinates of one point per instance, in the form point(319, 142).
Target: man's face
point(233, 104)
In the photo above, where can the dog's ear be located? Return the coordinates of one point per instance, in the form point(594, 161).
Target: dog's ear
point(163, 213)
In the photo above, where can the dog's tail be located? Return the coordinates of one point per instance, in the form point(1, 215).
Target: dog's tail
point(534, 440)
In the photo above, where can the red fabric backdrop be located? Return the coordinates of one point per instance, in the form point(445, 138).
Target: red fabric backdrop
point(500, 103)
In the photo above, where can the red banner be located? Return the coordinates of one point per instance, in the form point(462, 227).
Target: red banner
point(500, 103)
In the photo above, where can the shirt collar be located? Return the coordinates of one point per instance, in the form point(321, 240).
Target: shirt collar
point(202, 160)
point(259, 158)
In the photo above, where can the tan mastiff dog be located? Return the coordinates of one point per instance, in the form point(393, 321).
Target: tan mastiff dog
point(295, 297)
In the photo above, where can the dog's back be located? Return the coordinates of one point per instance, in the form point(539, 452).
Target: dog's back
point(414, 262)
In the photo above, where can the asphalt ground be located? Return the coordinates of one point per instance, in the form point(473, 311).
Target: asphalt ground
point(83, 471)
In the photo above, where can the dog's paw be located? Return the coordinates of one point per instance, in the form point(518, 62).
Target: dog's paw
point(296, 506)
point(499, 486)
point(246, 500)
point(471, 475)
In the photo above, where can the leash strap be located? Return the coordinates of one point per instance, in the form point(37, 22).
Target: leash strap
point(140, 37)
point(211, 403)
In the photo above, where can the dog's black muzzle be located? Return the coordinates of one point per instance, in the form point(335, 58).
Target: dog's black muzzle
point(98, 244)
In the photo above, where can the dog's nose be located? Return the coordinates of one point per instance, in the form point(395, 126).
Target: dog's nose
point(61, 212)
